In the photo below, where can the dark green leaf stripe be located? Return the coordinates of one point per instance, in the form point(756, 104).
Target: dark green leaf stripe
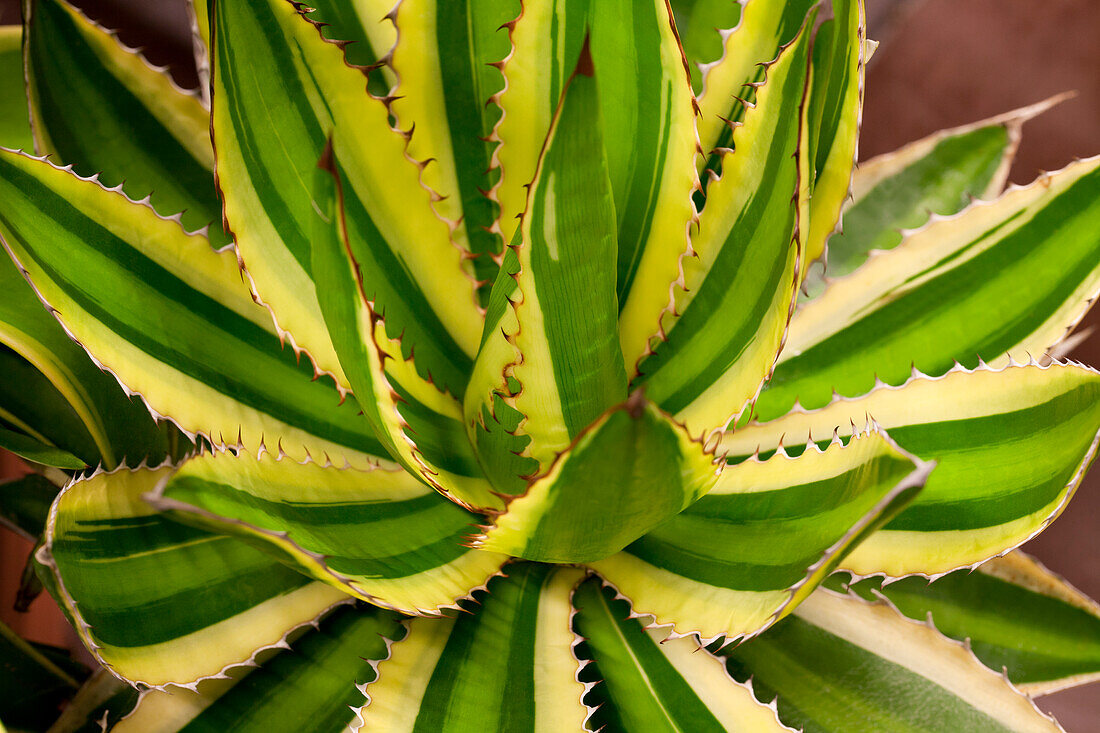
point(1007, 276)
point(763, 29)
point(160, 602)
point(319, 679)
point(560, 343)
point(134, 124)
point(1017, 616)
point(446, 60)
point(418, 424)
point(381, 534)
point(765, 535)
point(831, 118)
point(648, 113)
point(736, 295)
point(64, 399)
point(1011, 447)
point(651, 683)
point(190, 342)
point(15, 129)
point(563, 517)
point(842, 664)
point(506, 666)
point(938, 174)
point(413, 272)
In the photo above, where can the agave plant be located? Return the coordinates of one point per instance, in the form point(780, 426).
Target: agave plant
point(505, 390)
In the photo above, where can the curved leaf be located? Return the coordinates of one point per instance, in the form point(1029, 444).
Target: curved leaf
point(831, 119)
point(938, 174)
point(319, 678)
point(380, 535)
point(553, 353)
point(659, 684)
point(1015, 614)
point(1012, 275)
point(269, 131)
point(100, 107)
point(445, 61)
point(506, 666)
point(168, 316)
point(842, 664)
point(161, 603)
point(748, 552)
point(731, 305)
point(418, 424)
point(1012, 446)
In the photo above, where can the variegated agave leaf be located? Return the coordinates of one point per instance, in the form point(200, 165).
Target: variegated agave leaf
point(469, 366)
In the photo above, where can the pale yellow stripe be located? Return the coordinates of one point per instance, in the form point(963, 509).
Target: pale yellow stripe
point(902, 552)
point(732, 704)
point(558, 705)
point(232, 641)
point(393, 698)
point(959, 395)
point(170, 710)
point(421, 102)
point(885, 633)
point(689, 606)
point(527, 109)
point(782, 472)
point(887, 276)
point(286, 480)
point(751, 43)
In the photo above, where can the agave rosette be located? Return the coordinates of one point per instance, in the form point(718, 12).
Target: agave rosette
point(488, 399)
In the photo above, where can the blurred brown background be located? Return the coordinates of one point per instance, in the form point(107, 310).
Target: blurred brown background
point(941, 63)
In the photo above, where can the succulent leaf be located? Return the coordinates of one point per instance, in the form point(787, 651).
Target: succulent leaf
point(884, 672)
point(1009, 276)
point(269, 132)
point(938, 174)
point(830, 127)
point(380, 535)
point(25, 503)
point(730, 308)
point(419, 425)
point(319, 677)
point(136, 127)
point(768, 532)
point(168, 316)
point(656, 683)
point(763, 28)
point(557, 337)
point(507, 667)
point(1016, 614)
point(634, 464)
point(159, 602)
point(1011, 446)
point(445, 61)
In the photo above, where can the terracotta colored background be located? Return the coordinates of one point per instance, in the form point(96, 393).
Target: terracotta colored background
point(941, 63)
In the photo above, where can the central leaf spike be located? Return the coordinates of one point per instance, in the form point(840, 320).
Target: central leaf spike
point(550, 362)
